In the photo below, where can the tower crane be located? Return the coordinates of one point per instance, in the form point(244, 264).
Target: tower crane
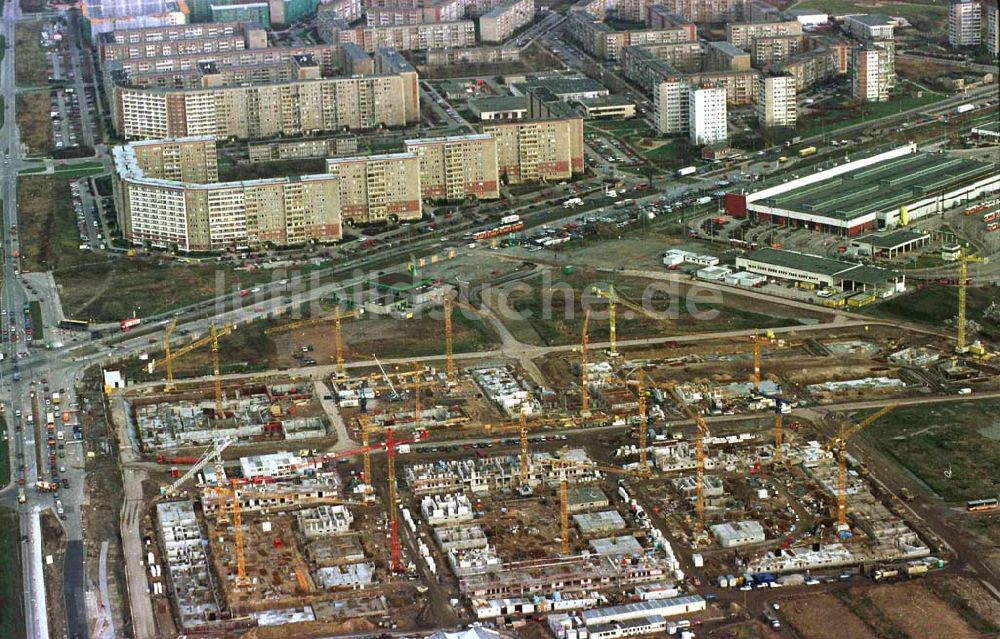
point(168, 360)
point(172, 356)
point(395, 559)
point(777, 430)
point(699, 450)
point(213, 454)
point(643, 421)
point(523, 425)
point(614, 299)
point(584, 346)
point(217, 374)
point(839, 444)
point(963, 276)
point(757, 340)
point(336, 317)
point(562, 466)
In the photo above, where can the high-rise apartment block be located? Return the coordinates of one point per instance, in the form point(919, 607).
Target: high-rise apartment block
point(376, 188)
point(187, 39)
point(168, 197)
point(992, 27)
point(500, 23)
point(534, 150)
point(454, 168)
point(261, 111)
point(776, 105)
point(741, 34)
point(871, 72)
point(670, 102)
point(965, 22)
point(707, 122)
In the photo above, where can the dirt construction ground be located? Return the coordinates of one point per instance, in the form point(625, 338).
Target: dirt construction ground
point(913, 609)
point(811, 617)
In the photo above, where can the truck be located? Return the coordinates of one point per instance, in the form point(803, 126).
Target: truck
point(705, 199)
point(56, 399)
point(687, 170)
point(806, 152)
point(573, 201)
point(964, 108)
point(46, 486)
point(128, 323)
point(21, 497)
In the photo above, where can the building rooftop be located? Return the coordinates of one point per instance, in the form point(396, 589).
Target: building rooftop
point(604, 520)
point(893, 239)
point(738, 530)
point(562, 85)
point(625, 545)
point(607, 100)
point(873, 19)
point(727, 47)
point(838, 269)
point(885, 186)
point(499, 103)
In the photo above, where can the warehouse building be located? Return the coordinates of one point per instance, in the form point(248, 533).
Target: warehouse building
point(821, 271)
point(885, 189)
point(888, 244)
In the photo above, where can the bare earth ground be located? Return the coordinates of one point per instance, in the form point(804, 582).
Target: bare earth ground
point(913, 609)
point(811, 617)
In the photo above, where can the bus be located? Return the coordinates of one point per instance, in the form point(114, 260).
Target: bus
point(977, 505)
point(74, 325)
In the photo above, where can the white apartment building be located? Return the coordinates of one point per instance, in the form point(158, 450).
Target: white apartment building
point(707, 123)
point(871, 72)
point(964, 23)
point(670, 103)
point(992, 27)
point(776, 105)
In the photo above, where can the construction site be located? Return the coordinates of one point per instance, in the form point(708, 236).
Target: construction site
point(401, 494)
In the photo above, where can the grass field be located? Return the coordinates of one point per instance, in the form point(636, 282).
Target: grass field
point(920, 12)
point(11, 612)
point(31, 64)
point(546, 318)
point(934, 304)
point(846, 112)
point(4, 455)
point(929, 440)
point(79, 170)
point(36, 125)
point(36, 321)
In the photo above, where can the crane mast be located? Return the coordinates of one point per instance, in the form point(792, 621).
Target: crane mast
point(168, 360)
point(396, 563)
point(584, 389)
point(643, 425)
point(448, 345)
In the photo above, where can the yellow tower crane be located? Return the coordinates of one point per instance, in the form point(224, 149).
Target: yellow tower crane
point(217, 374)
point(757, 340)
point(614, 299)
point(584, 346)
point(963, 277)
point(839, 444)
point(699, 449)
point(643, 420)
point(172, 356)
point(336, 317)
point(562, 466)
point(168, 360)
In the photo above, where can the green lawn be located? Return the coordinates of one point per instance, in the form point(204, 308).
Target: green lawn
point(11, 610)
point(32, 170)
point(30, 64)
point(928, 441)
point(4, 455)
point(74, 171)
point(36, 321)
point(934, 304)
point(847, 113)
